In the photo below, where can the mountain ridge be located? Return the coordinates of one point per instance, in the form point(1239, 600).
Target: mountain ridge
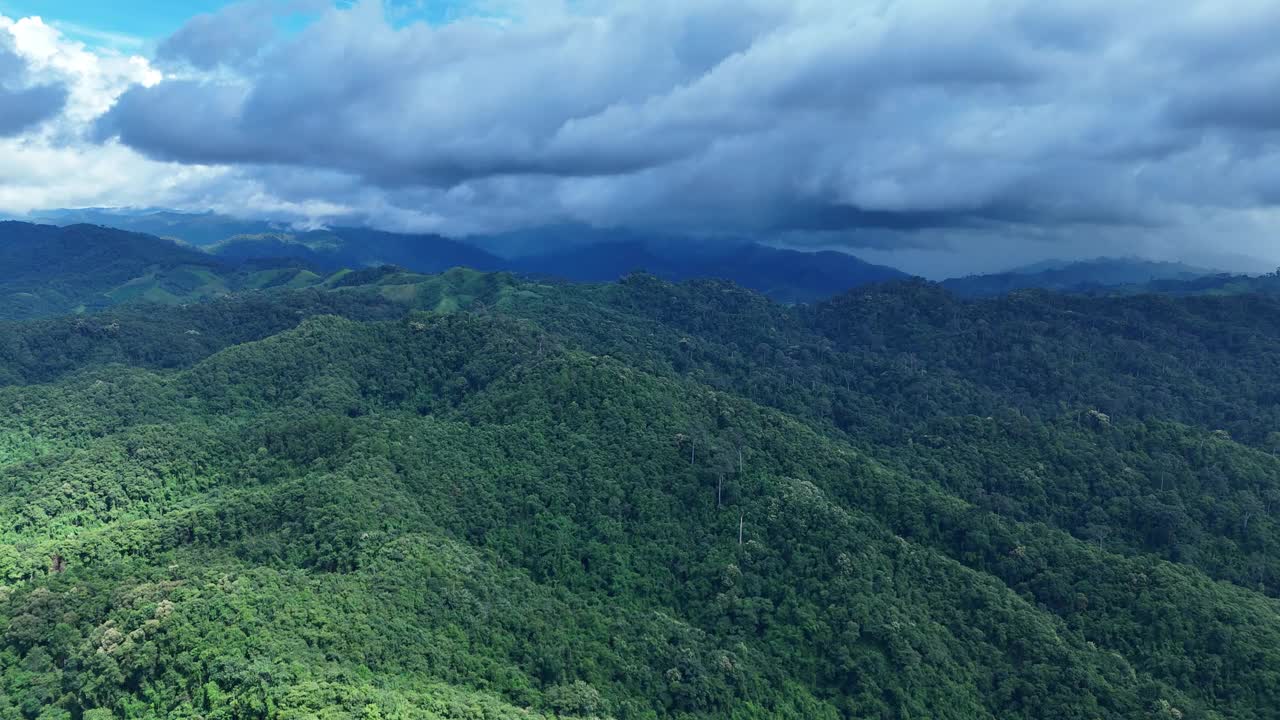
point(1096, 274)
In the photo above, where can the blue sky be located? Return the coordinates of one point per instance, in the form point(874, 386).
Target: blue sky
point(141, 19)
point(137, 25)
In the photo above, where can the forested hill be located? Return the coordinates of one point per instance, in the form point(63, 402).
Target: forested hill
point(46, 269)
point(1099, 274)
point(340, 248)
point(469, 495)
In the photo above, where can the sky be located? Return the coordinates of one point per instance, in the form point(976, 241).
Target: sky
point(940, 136)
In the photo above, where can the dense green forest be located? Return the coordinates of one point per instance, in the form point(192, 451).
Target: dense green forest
point(471, 495)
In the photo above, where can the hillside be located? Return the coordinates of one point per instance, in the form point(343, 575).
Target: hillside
point(198, 229)
point(474, 496)
point(1218, 284)
point(1079, 276)
point(48, 270)
point(339, 248)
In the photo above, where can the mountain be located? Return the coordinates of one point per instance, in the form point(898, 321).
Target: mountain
point(1216, 284)
point(477, 495)
point(48, 269)
point(564, 237)
point(578, 253)
point(198, 229)
point(338, 248)
point(785, 275)
point(1080, 276)
point(277, 246)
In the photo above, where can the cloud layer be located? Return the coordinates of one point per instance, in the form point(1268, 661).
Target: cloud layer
point(999, 128)
point(23, 104)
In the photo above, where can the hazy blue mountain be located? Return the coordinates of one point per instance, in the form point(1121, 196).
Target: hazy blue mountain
point(786, 275)
point(598, 263)
point(194, 228)
point(49, 269)
point(338, 248)
point(279, 246)
point(1216, 284)
point(1039, 267)
point(1076, 276)
point(530, 242)
point(572, 252)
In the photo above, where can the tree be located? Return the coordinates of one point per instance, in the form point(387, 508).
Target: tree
point(1272, 443)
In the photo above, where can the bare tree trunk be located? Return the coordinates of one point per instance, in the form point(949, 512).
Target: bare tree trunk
point(719, 488)
point(739, 529)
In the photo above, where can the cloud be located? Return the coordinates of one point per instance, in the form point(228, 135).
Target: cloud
point(233, 36)
point(51, 89)
point(937, 126)
point(93, 79)
point(22, 103)
point(21, 109)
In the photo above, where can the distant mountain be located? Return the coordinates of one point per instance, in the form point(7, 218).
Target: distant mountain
point(603, 262)
point(578, 254)
point(199, 229)
point(276, 246)
point(565, 237)
point(572, 252)
point(1039, 267)
point(792, 275)
point(786, 275)
point(48, 270)
point(1217, 284)
point(360, 247)
point(1077, 276)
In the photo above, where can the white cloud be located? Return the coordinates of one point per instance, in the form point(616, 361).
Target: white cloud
point(96, 78)
point(56, 163)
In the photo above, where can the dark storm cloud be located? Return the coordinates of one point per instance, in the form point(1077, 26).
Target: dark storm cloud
point(22, 104)
point(912, 117)
point(1246, 105)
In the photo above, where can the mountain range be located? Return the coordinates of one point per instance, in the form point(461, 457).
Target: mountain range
point(376, 493)
point(787, 275)
point(101, 266)
point(580, 254)
point(586, 254)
